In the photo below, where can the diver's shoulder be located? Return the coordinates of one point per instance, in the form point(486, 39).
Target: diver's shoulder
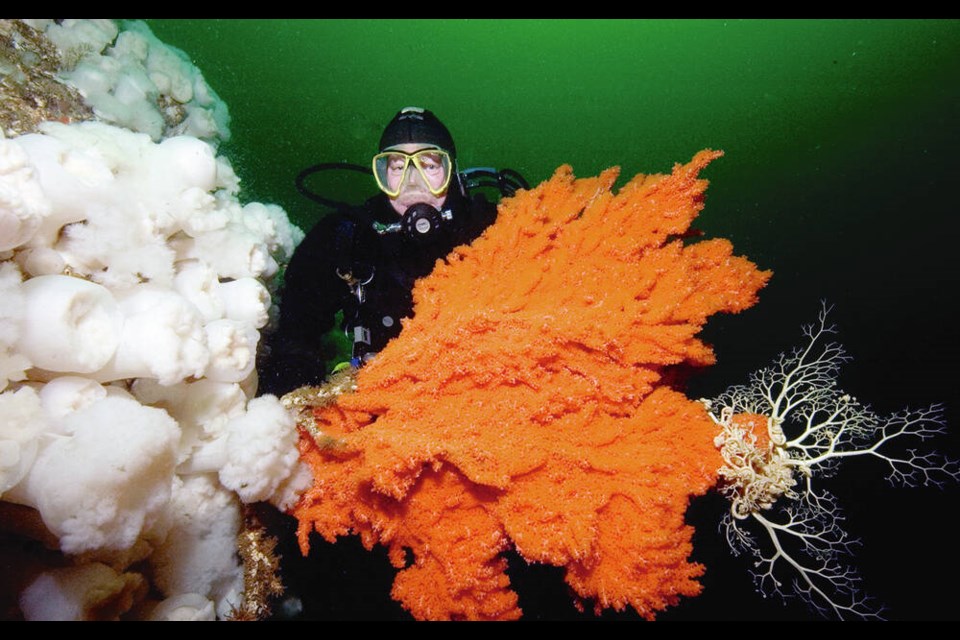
point(328, 224)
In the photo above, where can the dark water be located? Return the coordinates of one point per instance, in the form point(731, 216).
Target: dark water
point(840, 175)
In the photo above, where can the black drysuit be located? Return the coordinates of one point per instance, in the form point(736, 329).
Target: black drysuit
point(313, 291)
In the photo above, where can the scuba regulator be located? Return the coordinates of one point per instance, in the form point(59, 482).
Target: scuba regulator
point(421, 223)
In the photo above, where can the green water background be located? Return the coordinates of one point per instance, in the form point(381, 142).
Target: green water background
point(840, 175)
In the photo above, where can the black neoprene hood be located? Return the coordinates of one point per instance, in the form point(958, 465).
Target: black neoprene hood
point(415, 125)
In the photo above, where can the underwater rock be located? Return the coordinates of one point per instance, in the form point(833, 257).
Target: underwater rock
point(31, 91)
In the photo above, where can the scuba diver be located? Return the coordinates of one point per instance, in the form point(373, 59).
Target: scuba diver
point(363, 260)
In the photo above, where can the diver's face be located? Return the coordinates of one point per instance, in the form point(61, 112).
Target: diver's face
point(413, 190)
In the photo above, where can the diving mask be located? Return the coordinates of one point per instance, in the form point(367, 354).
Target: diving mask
point(434, 166)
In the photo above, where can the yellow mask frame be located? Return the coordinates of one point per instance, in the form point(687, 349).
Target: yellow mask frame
point(430, 163)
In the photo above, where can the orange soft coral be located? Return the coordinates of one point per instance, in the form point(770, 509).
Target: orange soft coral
point(523, 404)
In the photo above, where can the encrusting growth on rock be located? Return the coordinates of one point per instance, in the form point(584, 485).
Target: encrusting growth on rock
point(305, 400)
point(30, 91)
point(524, 405)
point(261, 569)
